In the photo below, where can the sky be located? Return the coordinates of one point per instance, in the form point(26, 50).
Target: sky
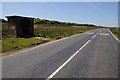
point(60, 0)
point(98, 13)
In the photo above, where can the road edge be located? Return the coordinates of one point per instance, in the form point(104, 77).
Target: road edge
point(22, 51)
point(114, 36)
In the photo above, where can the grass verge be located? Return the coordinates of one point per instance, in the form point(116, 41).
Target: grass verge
point(12, 44)
point(116, 32)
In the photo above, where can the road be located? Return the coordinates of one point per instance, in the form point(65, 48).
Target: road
point(93, 54)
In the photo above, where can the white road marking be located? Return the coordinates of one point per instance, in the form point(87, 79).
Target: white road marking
point(105, 34)
point(89, 33)
point(94, 36)
point(114, 36)
point(58, 69)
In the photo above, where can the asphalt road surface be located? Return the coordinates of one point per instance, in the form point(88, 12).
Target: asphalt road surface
point(93, 54)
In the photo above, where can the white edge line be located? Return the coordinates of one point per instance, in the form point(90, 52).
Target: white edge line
point(114, 36)
point(58, 69)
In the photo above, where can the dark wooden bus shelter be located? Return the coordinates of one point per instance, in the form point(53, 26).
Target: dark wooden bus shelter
point(19, 26)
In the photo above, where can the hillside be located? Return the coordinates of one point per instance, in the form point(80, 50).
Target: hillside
point(48, 23)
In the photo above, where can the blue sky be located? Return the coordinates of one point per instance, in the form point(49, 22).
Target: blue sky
point(98, 13)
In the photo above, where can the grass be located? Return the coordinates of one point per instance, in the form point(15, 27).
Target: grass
point(116, 32)
point(10, 44)
point(51, 33)
point(60, 32)
point(0, 46)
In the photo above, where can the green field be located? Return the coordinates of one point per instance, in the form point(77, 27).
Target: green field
point(116, 32)
point(50, 33)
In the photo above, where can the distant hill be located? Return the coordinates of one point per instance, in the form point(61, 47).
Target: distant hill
point(53, 22)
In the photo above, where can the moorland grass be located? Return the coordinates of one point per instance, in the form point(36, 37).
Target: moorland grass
point(116, 32)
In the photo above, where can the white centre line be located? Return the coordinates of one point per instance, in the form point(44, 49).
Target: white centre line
point(94, 36)
point(58, 69)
